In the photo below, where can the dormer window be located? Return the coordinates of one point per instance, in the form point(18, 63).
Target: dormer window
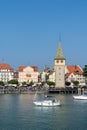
point(76, 72)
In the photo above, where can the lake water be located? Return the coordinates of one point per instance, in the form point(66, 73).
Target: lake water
point(17, 112)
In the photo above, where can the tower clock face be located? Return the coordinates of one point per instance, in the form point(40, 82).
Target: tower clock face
point(59, 71)
point(59, 68)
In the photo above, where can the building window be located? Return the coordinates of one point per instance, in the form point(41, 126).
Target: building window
point(28, 75)
point(61, 61)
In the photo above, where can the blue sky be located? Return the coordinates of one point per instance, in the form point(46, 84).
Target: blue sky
point(29, 32)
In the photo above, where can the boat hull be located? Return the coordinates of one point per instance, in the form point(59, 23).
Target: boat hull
point(47, 103)
point(81, 97)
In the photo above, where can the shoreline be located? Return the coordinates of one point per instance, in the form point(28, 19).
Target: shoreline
point(21, 92)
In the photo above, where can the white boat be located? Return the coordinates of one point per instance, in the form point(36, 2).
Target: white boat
point(46, 101)
point(80, 97)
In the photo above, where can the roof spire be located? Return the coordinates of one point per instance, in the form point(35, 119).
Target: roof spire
point(59, 51)
point(59, 37)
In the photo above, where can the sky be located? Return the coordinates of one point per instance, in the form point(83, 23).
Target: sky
point(30, 29)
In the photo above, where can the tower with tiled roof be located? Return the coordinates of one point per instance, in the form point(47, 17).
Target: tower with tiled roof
point(59, 63)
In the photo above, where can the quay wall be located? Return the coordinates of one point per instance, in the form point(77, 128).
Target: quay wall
point(64, 91)
point(50, 91)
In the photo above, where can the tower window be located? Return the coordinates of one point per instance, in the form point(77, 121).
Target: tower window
point(57, 61)
point(61, 61)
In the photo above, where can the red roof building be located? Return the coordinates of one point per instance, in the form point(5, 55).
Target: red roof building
point(75, 73)
point(6, 72)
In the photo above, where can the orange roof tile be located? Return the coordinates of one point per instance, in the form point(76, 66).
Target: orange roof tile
point(75, 69)
point(6, 66)
point(22, 67)
point(35, 68)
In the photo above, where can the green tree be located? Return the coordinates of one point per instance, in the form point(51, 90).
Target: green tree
point(31, 83)
point(24, 83)
point(85, 72)
point(1, 83)
point(50, 83)
point(76, 83)
point(67, 83)
point(13, 82)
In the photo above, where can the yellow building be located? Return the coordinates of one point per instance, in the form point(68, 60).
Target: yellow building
point(28, 74)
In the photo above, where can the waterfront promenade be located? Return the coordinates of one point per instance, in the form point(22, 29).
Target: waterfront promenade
point(26, 90)
point(19, 90)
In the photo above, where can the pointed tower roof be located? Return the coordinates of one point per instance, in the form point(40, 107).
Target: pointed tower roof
point(60, 54)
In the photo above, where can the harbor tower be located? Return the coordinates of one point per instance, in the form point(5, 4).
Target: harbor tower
point(59, 65)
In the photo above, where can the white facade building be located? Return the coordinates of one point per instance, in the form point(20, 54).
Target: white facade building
point(74, 73)
point(6, 72)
